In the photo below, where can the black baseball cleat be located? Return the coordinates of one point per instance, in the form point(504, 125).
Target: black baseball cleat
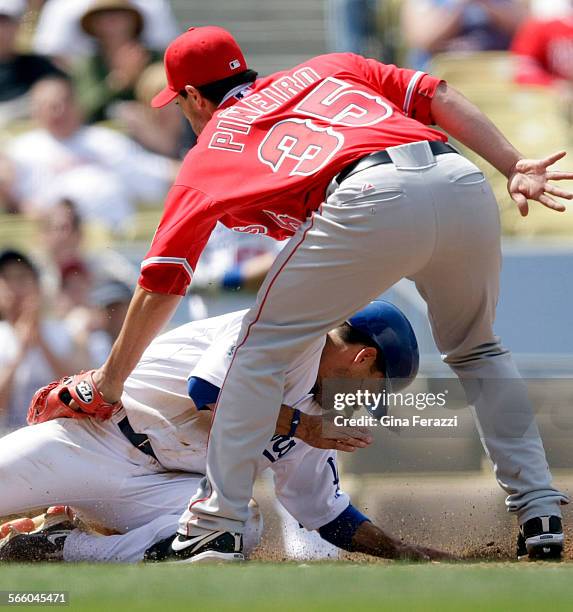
point(216, 546)
point(540, 538)
point(38, 546)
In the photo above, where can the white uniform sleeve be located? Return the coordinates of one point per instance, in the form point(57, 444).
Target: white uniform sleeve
point(306, 484)
point(215, 361)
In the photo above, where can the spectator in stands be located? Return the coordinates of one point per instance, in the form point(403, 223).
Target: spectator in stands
point(161, 130)
point(110, 75)
point(34, 349)
point(71, 277)
point(18, 71)
point(436, 26)
point(113, 298)
point(64, 263)
point(545, 51)
point(61, 237)
point(102, 171)
point(75, 286)
point(110, 301)
point(60, 35)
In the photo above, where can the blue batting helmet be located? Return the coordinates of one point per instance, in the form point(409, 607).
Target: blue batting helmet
point(392, 333)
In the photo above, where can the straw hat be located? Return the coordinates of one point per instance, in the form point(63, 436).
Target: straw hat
point(99, 6)
point(150, 83)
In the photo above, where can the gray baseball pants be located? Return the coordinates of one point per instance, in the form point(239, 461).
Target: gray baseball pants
point(432, 219)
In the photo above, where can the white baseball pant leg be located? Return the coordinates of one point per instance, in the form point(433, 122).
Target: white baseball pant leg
point(433, 219)
point(92, 467)
point(130, 547)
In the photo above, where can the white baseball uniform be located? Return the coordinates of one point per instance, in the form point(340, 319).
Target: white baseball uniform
point(91, 466)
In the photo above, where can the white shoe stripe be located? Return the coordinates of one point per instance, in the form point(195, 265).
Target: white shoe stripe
point(194, 543)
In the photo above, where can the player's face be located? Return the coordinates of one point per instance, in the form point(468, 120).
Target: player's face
point(197, 109)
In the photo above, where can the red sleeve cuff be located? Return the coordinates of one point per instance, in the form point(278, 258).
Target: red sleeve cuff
point(419, 106)
point(165, 277)
point(429, 85)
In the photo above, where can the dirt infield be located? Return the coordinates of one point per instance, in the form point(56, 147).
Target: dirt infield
point(462, 513)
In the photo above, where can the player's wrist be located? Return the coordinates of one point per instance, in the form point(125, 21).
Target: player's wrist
point(284, 420)
point(109, 388)
point(513, 168)
point(294, 422)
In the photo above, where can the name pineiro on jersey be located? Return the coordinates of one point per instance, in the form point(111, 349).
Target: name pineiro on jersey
point(237, 118)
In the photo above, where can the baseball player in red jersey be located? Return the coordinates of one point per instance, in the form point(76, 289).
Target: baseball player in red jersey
point(337, 154)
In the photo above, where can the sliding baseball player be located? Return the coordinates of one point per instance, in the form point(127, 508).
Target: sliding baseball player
point(130, 471)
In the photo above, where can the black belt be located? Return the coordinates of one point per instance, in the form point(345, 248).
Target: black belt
point(383, 157)
point(140, 441)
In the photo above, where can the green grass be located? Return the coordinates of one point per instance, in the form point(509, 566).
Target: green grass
point(282, 587)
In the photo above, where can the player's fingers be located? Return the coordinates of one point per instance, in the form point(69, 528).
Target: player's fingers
point(548, 161)
point(441, 555)
point(521, 202)
point(71, 403)
point(358, 442)
point(345, 448)
point(559, 176)
point(337, 442)
point(358, 433)
point(348, 441)
point(557, 191)
point(414, 553)
point(551, 203)
point(363, 436)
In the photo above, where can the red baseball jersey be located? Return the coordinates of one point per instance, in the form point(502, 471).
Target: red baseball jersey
point(546, 48)
point(263, 162)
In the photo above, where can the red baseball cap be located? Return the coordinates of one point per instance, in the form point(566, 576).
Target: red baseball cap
point(198, 57)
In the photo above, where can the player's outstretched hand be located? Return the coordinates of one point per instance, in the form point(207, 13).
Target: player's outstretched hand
point(529, 180)
point(413, 552)
point(372, 540)
point(321, 433)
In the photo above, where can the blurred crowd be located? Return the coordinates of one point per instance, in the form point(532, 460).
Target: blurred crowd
point(538, 32)
point(80, 148)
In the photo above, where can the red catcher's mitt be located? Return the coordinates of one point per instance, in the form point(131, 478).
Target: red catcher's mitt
point(52, 401)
